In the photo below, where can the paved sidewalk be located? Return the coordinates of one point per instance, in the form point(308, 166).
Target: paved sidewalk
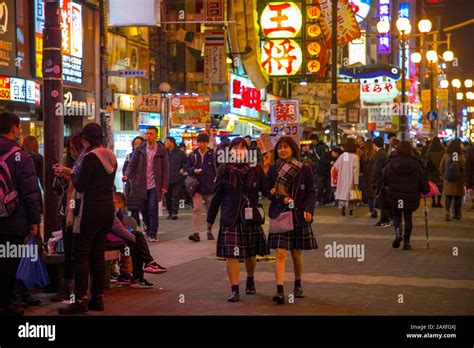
point(385, 281)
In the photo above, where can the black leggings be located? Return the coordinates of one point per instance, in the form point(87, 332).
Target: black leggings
point(457, 204)
point(408, 218)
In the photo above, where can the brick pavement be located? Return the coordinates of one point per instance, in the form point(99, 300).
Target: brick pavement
point(431, 281)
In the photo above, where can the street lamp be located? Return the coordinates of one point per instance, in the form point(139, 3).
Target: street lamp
point(165, 88)
point(468, 83)
point(444, 84)
point(416, 57)
point(448, 56)
point(383, 27)
point(432, 56)
point(456, 83)
point(424, 26)
point(459, 96)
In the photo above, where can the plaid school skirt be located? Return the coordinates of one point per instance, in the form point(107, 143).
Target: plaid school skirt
point(241, 241)
point(299, 238)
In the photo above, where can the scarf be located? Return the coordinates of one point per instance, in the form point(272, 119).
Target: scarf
point(287, 172)
point(238, 172)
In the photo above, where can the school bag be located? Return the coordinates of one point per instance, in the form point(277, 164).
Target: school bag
point(9, 199)
point(452, 171)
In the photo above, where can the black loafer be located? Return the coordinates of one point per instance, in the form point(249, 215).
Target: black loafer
point(233, 297)
point(250, 290)
point(396, 242)
point(279, 298)
point(298, 292)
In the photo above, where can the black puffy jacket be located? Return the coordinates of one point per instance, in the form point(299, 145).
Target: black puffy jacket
point(405, 179)
point(25, 179)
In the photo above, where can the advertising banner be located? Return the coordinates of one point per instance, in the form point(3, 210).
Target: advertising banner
point(215, 57)
point(7, 38)
point(190, 110)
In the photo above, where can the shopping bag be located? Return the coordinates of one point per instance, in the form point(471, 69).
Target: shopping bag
point(434, 191)
point(33, 273)
point(355, 195)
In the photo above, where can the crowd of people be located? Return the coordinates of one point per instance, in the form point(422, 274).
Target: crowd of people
point(390, 177)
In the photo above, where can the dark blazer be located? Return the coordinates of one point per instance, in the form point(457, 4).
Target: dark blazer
point(405, 179)
point(302, 192)
point(469, 168)
point(208, 165)
point(232, 201)
point(177, 160)
point(380, 161)
point(25, 180)
point(137, 171)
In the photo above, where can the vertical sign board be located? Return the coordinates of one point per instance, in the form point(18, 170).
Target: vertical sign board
point(71, 37)
point(215, 57)
point(404, 12)
point(285, 119)
point(358, 50)
point(384, 15)
point(245, 99)
point(7, 38)
point(214, 10)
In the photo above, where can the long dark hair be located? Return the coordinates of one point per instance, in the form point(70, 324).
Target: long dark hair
point(133, 141)
point(405, 149)
point(454, 146)
point(435, 145)
point(74, 142)
point(291, 143)
point(351, 146)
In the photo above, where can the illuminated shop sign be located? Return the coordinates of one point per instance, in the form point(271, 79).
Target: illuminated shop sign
point(282, 20)
point(384, 15)
point(20, 90)
point(245, 99)
point(71, 39)
point(360, 8)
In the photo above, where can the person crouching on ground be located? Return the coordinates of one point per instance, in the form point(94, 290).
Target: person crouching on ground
point(404, 178)
point(240, 234)
point(290, 187)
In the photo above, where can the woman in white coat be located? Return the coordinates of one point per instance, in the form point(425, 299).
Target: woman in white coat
point(347, 167)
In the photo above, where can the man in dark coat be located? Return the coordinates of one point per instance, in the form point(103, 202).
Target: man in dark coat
point(323, 175)
point(380, 161)
point(177, 161)
point(202, 165)
point(469, 172)
point(23, 220)
point(149, 169)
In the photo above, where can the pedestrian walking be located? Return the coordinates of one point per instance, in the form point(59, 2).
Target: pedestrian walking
point(323, 175)
point(290, 187)
point(148, 168)
point(133, 203)
point(202, 165)
point(20, 205)
point(405, 180)
point(469, 172)
point(63, 187)
point(366, 167)
point(347, 167)
point(177, 160)
point(380, 160)
point(452, 168)
point(93, 178)
point(241, 236)
point(432, 160)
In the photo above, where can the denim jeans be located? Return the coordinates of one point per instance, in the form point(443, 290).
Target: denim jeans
point(372, 204)
point(149, 209)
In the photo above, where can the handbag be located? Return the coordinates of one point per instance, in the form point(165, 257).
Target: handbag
point(192, 184)
point(282, 223)
point(355, 195)
point(33, 273)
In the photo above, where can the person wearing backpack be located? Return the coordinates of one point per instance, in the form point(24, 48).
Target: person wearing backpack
point(452, 168)
point(20, 204)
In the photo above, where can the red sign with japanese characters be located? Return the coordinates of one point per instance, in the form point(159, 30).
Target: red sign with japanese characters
point(245, 99)
point(284, 111)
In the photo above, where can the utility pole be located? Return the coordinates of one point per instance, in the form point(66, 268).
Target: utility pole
point(333, 115)
point(52, 114)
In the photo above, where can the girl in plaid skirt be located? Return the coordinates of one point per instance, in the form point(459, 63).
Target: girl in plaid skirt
point(290, 187)
point(240, 234)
